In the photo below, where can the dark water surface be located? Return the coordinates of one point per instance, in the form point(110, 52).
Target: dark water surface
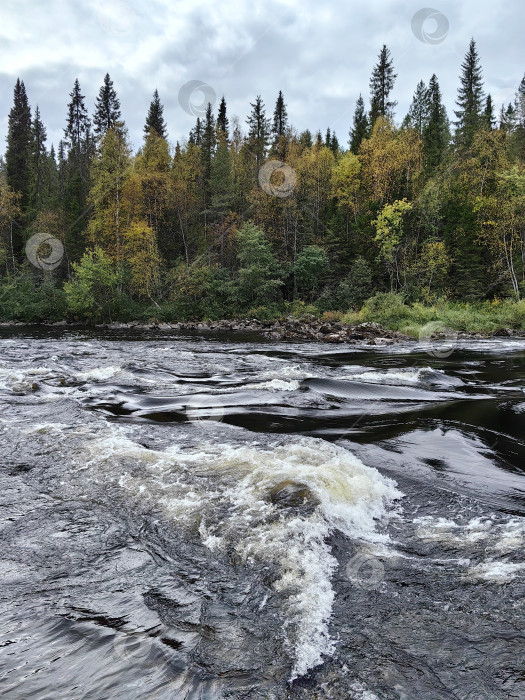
point(218, 516)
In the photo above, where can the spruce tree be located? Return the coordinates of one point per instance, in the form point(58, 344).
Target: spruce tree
point(419, 111)
point(279, 127)
point(520, 120)
point(490, 121)
point(107, 108)
point(507, 118)
point(359, 129)
point(258, 131)
point(223, 124)
point(381, 84)
point(436, 134)
point(196, 133)
point(305, 139)
point(78, 124)
point(39, 161)
point(471, 99)
point(208, 142)
point(221, 176)
point(155, 119)
point(76, 170)
point(19, 145)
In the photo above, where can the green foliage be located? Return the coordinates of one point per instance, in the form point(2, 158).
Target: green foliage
point(199, 292)
point(31, 298)
point(259, 277)
point(310, 268)
point(193, 234)
point(94, 293)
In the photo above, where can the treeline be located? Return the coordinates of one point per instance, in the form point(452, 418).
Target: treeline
point(429, 207)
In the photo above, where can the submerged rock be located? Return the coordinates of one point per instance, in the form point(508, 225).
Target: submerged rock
point(291, 494)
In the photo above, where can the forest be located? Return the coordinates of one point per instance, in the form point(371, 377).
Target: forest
point(255, 219)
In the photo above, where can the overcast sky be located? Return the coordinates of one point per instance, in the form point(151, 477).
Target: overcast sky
point(319, 55)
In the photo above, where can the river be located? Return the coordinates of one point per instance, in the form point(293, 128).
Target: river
point(208, 516)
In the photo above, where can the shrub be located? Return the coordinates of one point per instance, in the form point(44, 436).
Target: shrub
point(94, 293)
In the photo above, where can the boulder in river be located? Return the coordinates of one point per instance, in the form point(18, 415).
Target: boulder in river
point(292, 494)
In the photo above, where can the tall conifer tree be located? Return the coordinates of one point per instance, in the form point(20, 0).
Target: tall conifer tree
point(107, 108)
point(155, 118)
point(471, 99)
point(19, 146)
point(223, 124)
point(381, 85)
point(360, 126)
point(258, 131)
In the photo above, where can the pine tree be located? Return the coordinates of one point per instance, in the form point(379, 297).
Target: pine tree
point(381, 84)
point(258, 132)
point(223, 124)
point(471, 100)
point(19, 142)
point(436, 134)
point(155, 118)
point(359, 129)
point(419, 111)
point(107, 108)
point(39, 161)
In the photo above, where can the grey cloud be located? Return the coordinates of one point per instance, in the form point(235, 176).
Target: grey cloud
point(319, 56)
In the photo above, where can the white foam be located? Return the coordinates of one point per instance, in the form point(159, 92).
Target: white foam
point(275, 385)
point(223, 491)
point(99, 373)
point(391, 376)
point(498, 571)
point(505, 536)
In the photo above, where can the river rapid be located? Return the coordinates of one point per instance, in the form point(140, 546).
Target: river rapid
point(208, 516)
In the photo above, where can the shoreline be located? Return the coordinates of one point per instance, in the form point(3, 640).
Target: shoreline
point(288, 329)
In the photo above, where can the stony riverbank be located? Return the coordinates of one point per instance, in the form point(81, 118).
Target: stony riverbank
point(312, 329)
